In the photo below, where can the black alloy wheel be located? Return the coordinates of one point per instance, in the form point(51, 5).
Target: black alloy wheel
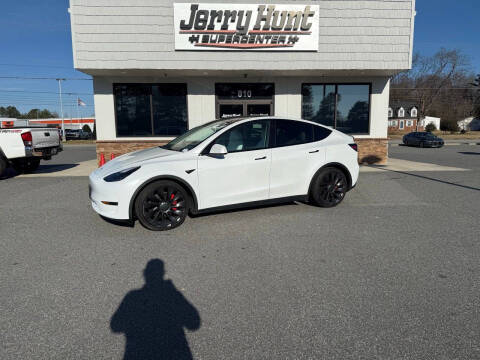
point(329, 187)
point(162, 205)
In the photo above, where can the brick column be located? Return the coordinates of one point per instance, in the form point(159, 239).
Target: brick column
point(372, 151)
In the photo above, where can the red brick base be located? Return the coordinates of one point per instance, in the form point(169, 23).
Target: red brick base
point(370, 151)
point(107, 148)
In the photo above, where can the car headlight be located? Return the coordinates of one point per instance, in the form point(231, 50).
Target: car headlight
point(120, 175)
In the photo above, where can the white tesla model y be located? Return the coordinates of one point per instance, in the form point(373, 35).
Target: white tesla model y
point(225, 164)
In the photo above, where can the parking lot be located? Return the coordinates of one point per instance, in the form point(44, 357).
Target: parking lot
point(391, 273)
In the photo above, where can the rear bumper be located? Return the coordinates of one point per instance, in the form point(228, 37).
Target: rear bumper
point(46, 152)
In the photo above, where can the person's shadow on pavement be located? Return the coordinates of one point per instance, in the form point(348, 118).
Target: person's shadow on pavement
point(153, 318)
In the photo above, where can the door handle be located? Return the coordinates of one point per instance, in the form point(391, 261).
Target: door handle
point(313, 151)
point(261, 158)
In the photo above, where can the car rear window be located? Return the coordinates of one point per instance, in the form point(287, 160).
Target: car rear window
point(290, 132)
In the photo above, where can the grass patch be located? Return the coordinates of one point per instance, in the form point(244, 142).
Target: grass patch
point(79, 142)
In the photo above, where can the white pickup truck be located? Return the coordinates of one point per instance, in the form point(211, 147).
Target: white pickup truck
point(22, 148)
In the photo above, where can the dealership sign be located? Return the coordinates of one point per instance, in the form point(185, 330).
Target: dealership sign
point(246, 27)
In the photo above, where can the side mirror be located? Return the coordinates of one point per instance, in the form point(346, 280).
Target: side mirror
point(218, 149)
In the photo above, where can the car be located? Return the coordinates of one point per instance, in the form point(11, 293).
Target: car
point(422, 139)
point(23, 147)
point(225, 164)
point(77, 134)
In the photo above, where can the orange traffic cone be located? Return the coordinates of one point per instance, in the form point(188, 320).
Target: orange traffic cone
point(102, 160)
point(112, 156)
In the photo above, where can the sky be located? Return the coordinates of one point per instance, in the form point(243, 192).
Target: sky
point(35, 41)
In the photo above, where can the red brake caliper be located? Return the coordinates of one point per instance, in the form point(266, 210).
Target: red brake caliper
point(174, 202)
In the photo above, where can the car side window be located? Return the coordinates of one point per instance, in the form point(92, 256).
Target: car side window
point(252, 135)
point(320, 133)
point(291, 132)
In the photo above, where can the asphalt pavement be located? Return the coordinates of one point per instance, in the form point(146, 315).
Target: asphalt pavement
point(391, 273)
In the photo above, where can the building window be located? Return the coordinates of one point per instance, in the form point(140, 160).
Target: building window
point(394, 122)
point(401, 112)
point(345, 107)
point(390, 112)
point(413, 112)
point(150, 109)
point(409, 123)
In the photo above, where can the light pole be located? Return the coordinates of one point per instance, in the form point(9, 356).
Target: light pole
point(61, 106)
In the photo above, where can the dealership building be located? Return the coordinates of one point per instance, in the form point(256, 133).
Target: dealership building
point(161, 67)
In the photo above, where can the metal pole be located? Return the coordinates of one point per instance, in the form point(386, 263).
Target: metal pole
point(78, 114)
point(61, 106)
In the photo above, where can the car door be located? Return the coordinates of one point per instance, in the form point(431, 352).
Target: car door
point(240, 176)
point(297, 153)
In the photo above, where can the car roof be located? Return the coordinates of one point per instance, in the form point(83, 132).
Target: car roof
point(251, 118)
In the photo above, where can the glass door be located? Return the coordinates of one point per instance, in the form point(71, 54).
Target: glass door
point(229, 110)
point(244, 99)
point(259, 109)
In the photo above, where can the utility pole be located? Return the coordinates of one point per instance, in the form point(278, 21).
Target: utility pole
point(61, 105)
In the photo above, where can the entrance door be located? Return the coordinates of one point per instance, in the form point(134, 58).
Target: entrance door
point(228, 110)
point(402, 125)
point(240, 99)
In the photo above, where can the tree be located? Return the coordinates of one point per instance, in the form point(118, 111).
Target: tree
point(476, 104)
point(440, 84)
point(86, 128)
point(10, 112)
point(430, 127)
point(449, 125)
point(358, 115)
point(326, 110)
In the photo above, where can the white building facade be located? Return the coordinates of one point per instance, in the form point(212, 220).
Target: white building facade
point(160, 68)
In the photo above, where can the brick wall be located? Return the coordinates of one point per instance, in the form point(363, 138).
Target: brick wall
point(107, 148)
point(396, 129)
point(372, 151)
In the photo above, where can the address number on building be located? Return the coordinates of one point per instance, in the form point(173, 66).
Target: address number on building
point(244, 93)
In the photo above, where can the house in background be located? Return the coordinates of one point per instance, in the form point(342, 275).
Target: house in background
point(469, 124)
point(429, 120)
point(403, 117)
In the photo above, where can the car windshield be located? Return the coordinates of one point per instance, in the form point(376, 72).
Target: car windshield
point(197, 135)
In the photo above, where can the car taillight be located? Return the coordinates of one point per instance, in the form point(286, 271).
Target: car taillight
point(27, 138)
point(354, 146)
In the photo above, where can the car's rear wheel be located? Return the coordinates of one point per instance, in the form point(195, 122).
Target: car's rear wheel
point(162, 205)
point(329, 187)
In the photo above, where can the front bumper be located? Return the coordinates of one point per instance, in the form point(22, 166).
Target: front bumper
point(111, 200)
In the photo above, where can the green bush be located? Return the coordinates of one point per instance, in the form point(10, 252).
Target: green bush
point(430, 127)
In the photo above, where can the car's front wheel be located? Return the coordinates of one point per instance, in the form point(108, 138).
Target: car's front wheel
point(162, 205)
point(329, 187)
